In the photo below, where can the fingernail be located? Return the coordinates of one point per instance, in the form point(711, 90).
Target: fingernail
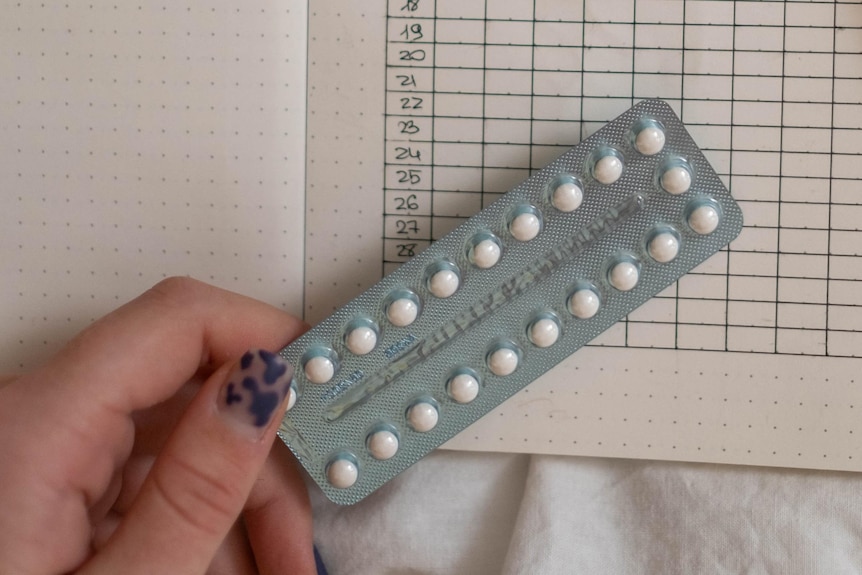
point(255, 388)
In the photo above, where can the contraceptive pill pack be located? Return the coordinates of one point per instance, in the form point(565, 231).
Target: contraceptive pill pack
point(501, 299)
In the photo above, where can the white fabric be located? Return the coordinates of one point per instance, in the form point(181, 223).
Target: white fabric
point(481, 513)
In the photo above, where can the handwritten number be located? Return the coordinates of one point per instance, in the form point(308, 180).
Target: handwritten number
point(411, 176)
point(412, 103)
point(412, 32)
point(407, 226)
point(408, 127)
point(408, 203)
point(406, 250)
point(411, 55)
point(406, 79)
point(411, 6)
point(407, 153)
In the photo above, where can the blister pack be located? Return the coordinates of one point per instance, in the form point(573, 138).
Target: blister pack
point(501, 299)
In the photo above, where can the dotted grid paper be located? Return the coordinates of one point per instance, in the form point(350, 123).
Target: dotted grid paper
point(480, 92)
point(139, 141)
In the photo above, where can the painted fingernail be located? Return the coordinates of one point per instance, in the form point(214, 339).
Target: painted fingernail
point(255, 388)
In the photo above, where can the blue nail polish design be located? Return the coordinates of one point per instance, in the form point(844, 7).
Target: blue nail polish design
point(255, 390)
point(274, 367)
point(232, 397)
point(246, 360)
point(263, 403)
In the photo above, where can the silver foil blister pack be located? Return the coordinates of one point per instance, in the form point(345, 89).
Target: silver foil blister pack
point(502, 299)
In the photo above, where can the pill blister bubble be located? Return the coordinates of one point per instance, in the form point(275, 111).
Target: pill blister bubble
point(361, 336)
point(463, 385)
point(503, 359)
point(606, 165)
point(663, 244)
point(423, 415)
point(292, 394)
point(544, 330)
point(320, 364)
point(443, 279)
point(648, 137)
point(675, 177)
point(624, 273)
point(566, 193)
point(382, 442)
point(342, 471)
point(703, 216)
point(525, 222)
point(485, 250)
point(361, 340)
point(584, 302)
point(402, 307)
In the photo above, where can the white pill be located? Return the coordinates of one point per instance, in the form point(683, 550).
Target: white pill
point(463, 388)
point(525, 226)
point(342, 473)
point(703, 219)
point(291, 398)
point(486, 254)
point(584, 303)
point(567, 197)
point(402, 312)
point(444, 283)
point(319, 369)
point(650, 141)
point(608, 169)
point(361, 340)
point(383, 444)
point(544, 332)
point(624, 276)
point(664, 247)
point(423, 416)
point(503, 361)
point(676, 180)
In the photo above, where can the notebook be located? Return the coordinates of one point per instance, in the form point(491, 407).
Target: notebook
point(295, 152)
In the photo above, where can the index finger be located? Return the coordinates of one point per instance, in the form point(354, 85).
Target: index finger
point(141, 353)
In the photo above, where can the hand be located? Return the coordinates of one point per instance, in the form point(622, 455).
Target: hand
point(138, 446)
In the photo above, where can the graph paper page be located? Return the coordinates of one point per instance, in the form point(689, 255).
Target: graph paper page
point(748, 359)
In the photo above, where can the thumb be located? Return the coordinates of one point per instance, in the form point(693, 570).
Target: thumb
point(202, 477)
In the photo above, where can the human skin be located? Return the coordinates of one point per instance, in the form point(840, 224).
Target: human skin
point(138, 448)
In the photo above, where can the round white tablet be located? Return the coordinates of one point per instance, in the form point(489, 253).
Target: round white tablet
point(444, 283)
point(525, 227)
point(608, 169)
point(463, 388)
point(486, 253)
point(676, 180)
point(361, 340)
point(624, 276)
point(567, 197)
point(664, 247)
point(319, 369)
point(383, 444)
point(342, 473)
point(503, 361)
point(584, 303)
point(544, 332)
point(402, 312)
point(423, 416)
point(650, 140)
point(291, 398)
point(703, 219)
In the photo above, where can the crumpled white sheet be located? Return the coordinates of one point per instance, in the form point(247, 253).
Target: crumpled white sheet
point(486, 513)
